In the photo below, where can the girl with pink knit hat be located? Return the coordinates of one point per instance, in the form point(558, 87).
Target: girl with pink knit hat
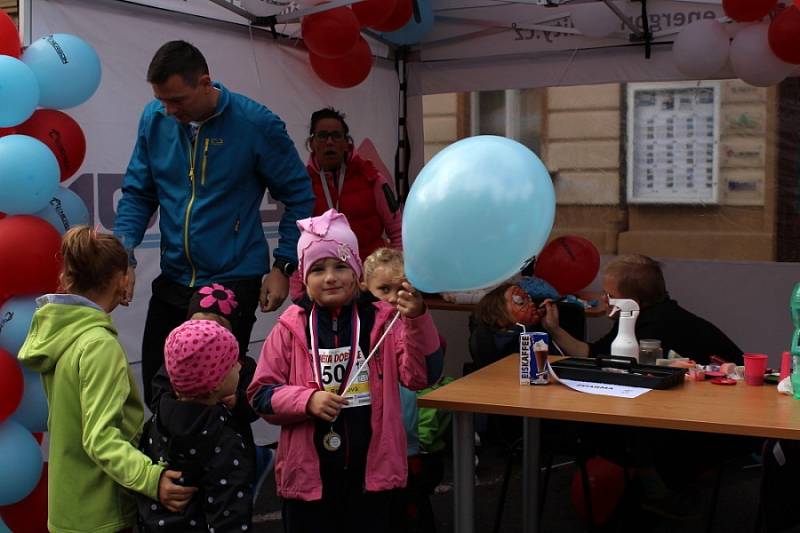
point(342, 450)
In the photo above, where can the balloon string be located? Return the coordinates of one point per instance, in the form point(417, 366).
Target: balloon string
point(355, 374)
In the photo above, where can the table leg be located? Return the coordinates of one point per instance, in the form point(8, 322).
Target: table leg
point(530, 475)
point(464, 472)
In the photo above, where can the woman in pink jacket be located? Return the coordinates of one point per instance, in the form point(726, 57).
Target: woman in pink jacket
point(341, 453)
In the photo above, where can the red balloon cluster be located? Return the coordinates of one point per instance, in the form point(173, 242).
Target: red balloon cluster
point(61, 134)
point(606, 486)
point(9, 37)
point(784, 35)
point(30, 255)
point(337, 52)
point(748, 10)
point(568, 263)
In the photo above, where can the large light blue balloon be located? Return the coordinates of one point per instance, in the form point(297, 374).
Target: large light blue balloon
point(67, 67)
point(65, 209)
point(19, 92)
point(29, 174)
point(414, 30)
point(15, 321)
point(32, 409)
point(476, 214)
point(20, 462)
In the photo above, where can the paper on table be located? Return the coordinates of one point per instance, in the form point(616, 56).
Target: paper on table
point(602, 389)
point(605, 389)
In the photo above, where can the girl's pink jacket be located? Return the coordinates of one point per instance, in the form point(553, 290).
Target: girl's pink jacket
point(285, 361)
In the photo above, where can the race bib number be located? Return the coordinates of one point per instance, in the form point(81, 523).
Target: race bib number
point(333, 365)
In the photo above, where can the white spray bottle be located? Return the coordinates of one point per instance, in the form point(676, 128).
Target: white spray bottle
point(625, 344)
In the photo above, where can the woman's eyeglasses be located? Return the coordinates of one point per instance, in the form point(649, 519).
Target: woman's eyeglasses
point(325, 135)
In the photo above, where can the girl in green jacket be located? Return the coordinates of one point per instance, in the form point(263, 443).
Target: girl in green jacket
point(96, 415)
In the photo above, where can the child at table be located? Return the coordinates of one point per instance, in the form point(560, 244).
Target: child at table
point(341, 453)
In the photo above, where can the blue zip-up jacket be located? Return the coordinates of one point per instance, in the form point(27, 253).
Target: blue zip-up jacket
point(210, 190)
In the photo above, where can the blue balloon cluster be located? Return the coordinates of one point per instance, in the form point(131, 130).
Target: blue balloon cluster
point(29, 174)
point(64, 210)
point(67, 68)
point(15, 321)
point(20, 462)
point(476, 214)
point(32, 409)
point(19, 92)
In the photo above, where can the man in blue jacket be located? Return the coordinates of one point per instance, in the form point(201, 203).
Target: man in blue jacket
point(205, 156)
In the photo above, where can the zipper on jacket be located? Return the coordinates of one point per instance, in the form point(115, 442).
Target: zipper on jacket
point(203, 164)
point(187, 216)
point(346, 443)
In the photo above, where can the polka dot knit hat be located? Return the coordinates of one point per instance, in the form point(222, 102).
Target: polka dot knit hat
point(198, 354)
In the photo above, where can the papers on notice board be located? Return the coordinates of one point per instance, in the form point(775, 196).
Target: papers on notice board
point(604, 389)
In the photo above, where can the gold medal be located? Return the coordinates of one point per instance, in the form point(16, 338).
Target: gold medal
point(332, 441)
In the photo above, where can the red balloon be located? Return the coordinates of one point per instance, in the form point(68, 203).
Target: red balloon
point(568, 263)
point(332, 33)
point(748, 10)
point(784, 35)
point(401, 14)
point(30, 255)
point(606, 486)
point(347, 71)
point(61, 134)
point(11, 384)
point(373, 12)
point(39, 436)
point(9, 36)
point(29, 515)
point(6, 131)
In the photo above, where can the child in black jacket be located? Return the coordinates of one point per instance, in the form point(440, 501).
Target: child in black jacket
point(194, 429)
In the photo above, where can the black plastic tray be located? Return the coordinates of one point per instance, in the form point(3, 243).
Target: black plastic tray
point(618, 371)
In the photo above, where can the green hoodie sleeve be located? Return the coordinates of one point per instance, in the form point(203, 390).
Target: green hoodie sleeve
point(104, 390)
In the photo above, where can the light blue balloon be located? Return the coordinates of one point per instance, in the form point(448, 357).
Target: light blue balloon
point(20, 462)
point(67, 67)
point(19, 92)
point(29, 174)
point(15, 321)
point(65, 209)
point(476, 214)
point(414, 30)
point(32, 409)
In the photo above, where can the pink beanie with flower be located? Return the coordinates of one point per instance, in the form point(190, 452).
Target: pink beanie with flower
point(328, 235)
point(198, 354)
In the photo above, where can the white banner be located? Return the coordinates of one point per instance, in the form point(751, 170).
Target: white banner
point(126, 37)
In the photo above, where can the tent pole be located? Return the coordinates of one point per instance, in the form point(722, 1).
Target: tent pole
point(25, 23)
point(403, 153)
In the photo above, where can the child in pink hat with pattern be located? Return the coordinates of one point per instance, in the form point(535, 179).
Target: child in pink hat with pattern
point(342, 449)
point(194, 427)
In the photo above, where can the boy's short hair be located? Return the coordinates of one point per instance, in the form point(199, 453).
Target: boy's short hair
point(177, 57)
point(638, 277)
point(383, 257)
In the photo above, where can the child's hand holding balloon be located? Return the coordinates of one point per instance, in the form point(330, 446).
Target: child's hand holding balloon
point(409, 301)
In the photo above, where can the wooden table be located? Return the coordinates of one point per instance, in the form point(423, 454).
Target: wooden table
point(692, 406)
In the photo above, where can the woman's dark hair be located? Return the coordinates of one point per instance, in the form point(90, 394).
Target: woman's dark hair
point(327, 112)
point(90, 260)
point(177, 57)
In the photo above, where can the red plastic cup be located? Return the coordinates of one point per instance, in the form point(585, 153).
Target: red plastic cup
point(786, 365)
point(754, 366)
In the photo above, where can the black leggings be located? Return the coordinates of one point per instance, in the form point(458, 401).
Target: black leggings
point(345, 507)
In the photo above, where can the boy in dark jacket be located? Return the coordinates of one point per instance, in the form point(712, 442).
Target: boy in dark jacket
point(195, 428)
